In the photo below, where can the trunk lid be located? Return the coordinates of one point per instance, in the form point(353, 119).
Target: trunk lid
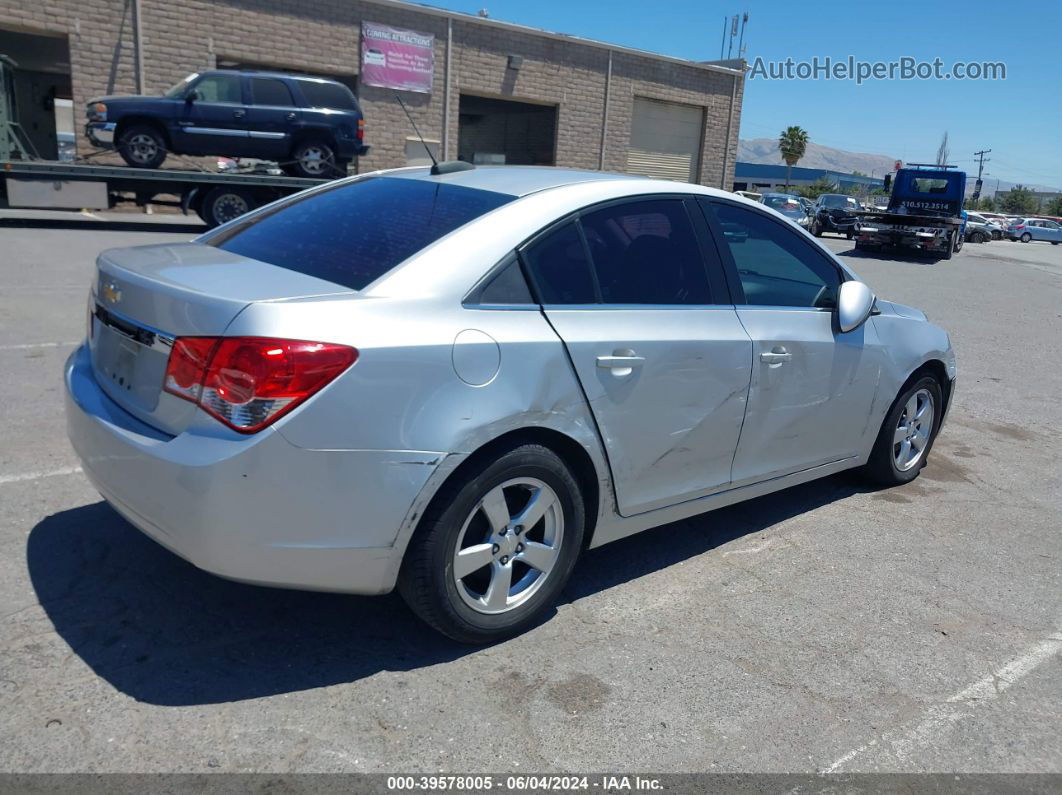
point(145, 297)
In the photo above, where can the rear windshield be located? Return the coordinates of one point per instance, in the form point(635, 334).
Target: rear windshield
point(354, 233)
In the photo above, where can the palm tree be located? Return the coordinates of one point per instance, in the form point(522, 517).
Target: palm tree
point(792, 143)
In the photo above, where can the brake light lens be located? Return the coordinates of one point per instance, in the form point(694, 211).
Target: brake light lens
point(361, 130)
point(1019, 226)
point(250, 382)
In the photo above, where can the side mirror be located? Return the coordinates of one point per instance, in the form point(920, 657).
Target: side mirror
point(191, 96)
point(855, 301)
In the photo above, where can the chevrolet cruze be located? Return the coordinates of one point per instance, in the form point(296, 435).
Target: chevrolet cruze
point(452, 381)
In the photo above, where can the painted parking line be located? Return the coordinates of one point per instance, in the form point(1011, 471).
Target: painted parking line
point(914, 736)
point(31, 345)
point(24, 476)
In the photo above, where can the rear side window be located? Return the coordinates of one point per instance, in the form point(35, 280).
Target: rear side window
point(559, 267)
point(327, 95)
point(354, 233)
point(270, 91)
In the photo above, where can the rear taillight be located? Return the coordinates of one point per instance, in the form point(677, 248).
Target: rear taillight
point(1020, 226)
point(361, 130)
point(250, 382)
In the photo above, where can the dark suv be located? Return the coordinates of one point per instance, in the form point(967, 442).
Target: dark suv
point(310, 125)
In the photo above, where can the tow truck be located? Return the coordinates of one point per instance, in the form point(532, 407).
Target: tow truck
point(924, 213)
point(29, 182)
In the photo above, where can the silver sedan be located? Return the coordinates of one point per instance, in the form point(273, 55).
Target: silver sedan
point(453, 383)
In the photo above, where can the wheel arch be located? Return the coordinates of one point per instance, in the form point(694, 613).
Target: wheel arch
point(303, 134)
point(939, 370)
point(129, 121)
point(595, 485)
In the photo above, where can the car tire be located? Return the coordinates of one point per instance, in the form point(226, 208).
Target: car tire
point(142, 146)
point(890, 462)
point(849, 234)
point(314, 158)
point(458, 520)
point(1026, 238)
point(949, 249)
point(959, 241)
point(223, 204)
point(816, 229)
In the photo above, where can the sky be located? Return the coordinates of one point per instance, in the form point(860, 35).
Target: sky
point(1019, 118)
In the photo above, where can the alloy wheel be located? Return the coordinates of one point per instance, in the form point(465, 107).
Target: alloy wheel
point(142, 147)
point(316, 160)
point(508, 546)
point(912, 432)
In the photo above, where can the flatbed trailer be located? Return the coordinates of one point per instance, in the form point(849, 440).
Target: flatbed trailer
point(216, 197)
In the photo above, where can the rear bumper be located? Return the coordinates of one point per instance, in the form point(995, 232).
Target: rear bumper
point(255, 509)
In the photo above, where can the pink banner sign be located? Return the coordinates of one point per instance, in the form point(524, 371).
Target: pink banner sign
point(395, 58)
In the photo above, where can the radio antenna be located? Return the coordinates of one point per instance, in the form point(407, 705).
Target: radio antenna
point(434, 162)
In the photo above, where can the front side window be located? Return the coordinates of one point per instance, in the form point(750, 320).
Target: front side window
point(270, 91)
point(355, 232)
point(646, 252)
point(219, 88)
point(180, 89)
point(775, 265)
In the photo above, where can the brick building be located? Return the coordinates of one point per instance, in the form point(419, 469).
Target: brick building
point(499, 91)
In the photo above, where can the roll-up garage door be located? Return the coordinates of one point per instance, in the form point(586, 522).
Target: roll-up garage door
point(665, 140)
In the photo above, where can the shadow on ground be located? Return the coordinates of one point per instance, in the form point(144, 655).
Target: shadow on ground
point(164, 632)
point(89, 225)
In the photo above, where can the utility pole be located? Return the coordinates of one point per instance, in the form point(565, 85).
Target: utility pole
point(981, 161)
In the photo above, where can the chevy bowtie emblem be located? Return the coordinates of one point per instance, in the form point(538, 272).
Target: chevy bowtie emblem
point(112, 293)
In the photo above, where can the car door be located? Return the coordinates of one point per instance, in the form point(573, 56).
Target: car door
point(271, 117)
point(213, 120)
point(655, 342)
point(812, 387)
point(1053, 231)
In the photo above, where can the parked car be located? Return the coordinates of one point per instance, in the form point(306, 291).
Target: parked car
point(751, 195)
point(1029, 229)
point(998, 219)
point(834, 213)
point(788, 205)
point(980, 230)
point(312, 126)
point(455, 383)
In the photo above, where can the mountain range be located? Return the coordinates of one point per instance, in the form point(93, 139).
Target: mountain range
point(765, 150)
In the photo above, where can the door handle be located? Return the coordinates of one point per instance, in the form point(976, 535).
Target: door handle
point(291, 117)
point(777, 356)
point(238, 114)
point(620, 361)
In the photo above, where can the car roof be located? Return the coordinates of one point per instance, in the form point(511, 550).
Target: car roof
point(269, 73)
point(516, 180)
